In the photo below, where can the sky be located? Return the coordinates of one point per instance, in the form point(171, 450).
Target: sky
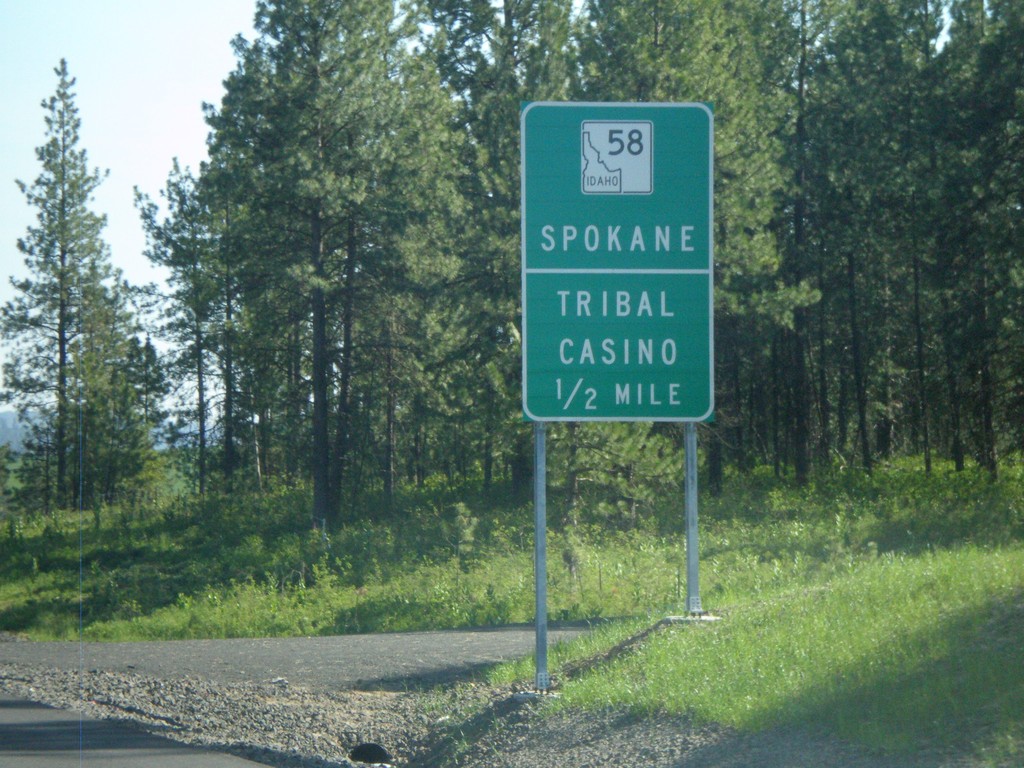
point(143, 70)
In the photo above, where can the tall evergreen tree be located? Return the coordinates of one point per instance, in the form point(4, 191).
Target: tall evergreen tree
point(61, 250)
point(333, 134)
point(691, 51)
point(310, 98)
point(72, 330)
point(183, 243)
point(977, 261)
point(494, 57)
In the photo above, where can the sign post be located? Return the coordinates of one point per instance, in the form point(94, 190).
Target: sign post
point(617, 273)
point(543, 679)
point(690, 491)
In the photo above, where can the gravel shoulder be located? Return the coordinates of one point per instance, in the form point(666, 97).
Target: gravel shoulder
point(287, 722)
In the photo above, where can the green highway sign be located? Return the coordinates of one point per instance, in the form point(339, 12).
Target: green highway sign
point(617, 261)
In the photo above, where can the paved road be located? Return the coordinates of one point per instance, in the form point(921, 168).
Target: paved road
point(36, 736)
point(388, 661)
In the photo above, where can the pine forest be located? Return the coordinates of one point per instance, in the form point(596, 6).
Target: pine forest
point(342, 311)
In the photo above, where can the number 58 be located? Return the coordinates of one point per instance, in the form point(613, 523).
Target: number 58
point(633, 143)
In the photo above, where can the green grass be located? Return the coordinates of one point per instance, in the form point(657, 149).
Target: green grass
point(430, 596)
point(887, 610)
point(899, 653)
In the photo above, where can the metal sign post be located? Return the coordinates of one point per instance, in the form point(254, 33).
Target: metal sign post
point(692, 560)
point(540, 559)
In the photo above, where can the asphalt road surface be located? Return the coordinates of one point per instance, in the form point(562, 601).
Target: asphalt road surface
point(36, 736)
point(386, 661)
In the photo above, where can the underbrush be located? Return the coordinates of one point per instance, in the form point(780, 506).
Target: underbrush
point(449, 557)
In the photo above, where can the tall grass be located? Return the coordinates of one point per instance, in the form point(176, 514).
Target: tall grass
point(897, 652)
point(456, 557)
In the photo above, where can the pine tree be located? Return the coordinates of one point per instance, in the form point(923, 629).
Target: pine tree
point(61, 251)
point(494, 57)
point(977, 260)
point(184, 244)
point(333, 136)
point(692, 51)
point(72, 331)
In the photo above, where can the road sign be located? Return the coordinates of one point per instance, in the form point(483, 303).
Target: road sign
point(617, 261)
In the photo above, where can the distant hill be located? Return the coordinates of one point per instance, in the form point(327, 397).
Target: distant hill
point(10, 430)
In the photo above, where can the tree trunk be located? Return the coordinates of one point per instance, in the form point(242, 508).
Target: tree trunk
point(321, 449)
point(201, 407)
point(922, 399)
point(715, 462)
point(800, 385)
point(572, 480)
point(230, 461)
point(342, 435)
point(391, 406)
point(988, 435)
point(952, 389)
point(824, 406)
point(776, 409)
point(989, 459)
point(856, 347)
point(488, 447)
point(60, 436)
point(843, 407)
point(801, 401)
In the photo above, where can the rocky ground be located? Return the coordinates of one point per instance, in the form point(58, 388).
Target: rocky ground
point(284, 724)
point(276, 723)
